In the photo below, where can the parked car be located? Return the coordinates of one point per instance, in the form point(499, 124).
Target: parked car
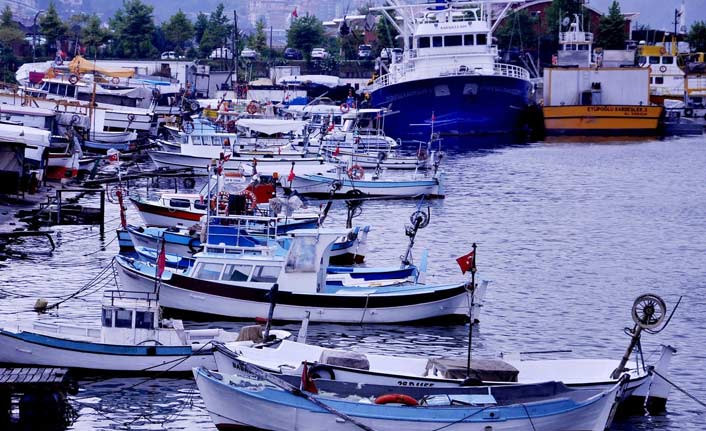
point(170, 55)
point(389, 53)
point(292, 54)
point(319, 53)
point(248, 53)
point(222, 52)
point(365, 51)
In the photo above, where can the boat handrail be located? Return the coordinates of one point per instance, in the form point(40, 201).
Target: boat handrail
point(575, 37)
point(499, 69)
point(113, 295)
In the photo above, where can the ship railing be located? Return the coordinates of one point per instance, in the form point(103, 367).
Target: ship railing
point(575, 37)
point(499, 69)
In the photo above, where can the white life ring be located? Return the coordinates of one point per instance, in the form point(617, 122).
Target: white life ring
point(663, 68)
point(115, 80)
point(345, 108)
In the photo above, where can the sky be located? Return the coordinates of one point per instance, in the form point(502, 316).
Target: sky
point(658, 14)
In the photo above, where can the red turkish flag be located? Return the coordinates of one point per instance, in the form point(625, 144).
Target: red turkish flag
point(467, 262)
point(307, 384)
point(161, 260)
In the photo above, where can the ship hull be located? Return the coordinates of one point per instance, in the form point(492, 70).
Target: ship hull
point(602, 120)
point(462, 105)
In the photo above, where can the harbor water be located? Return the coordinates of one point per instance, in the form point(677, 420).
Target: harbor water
point(568, 233)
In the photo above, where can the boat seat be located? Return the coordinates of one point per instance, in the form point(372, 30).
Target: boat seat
point(250, 333)
point(493, 370)
point(345, 359)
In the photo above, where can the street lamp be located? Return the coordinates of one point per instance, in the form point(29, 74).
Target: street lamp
point(34, 35)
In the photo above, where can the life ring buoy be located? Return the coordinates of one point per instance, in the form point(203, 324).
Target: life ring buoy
point(662, 51)
point(115, 80)
point(230, 126)
point(194, 106)
point(396, 399)
point(73, 79)
point(251, 200)
point(75, 119)
point(345, 108)
point(193, 247)
point(252, 108)
point(356, 172)
point(688, 112)
point(131, 117)
point(321, 371)
point(223, 198)
point(663, 69)
point(188, 127)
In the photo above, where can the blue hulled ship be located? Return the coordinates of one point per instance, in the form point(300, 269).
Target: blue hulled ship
point(448, 74)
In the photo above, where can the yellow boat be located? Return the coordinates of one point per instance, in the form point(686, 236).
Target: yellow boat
point(604, 120)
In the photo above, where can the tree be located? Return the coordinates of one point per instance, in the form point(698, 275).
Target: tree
point(52, 27)
point(217, 31)
point(555, 15)
point(178, 30)
point(10, 35)
point(517, 32)
point(93, 34)
point(305, 33)
point(258, 40)
point(697, 36)
point(200, 26)
point(386, 34)
point(611, 31)
point(133, 26)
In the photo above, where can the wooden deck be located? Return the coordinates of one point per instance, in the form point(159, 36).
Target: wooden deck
point(13, 379)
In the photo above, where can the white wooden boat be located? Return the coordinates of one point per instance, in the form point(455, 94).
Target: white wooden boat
point(345, 185)
point(247, 401)
point(132, 338)
point(227, 282)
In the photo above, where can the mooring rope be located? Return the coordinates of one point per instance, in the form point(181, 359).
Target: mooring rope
point(682, 390)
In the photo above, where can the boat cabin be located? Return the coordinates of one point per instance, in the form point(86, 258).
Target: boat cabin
point(38, 118)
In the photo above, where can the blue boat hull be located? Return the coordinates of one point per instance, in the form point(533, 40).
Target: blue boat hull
point(462, 105)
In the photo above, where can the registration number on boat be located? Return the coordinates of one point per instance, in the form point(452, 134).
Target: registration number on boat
point(411, 383)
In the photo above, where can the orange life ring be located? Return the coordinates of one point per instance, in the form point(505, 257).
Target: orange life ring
point(252, 108)
point(345, 108)
point(396, 399)
point(223, 198)
point(356, 172)
point(663, 68)
point(251, 199)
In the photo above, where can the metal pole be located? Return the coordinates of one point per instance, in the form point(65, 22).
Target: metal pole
point(102, 231)
point(235, 48)
point(470, 312)
point(34, 36)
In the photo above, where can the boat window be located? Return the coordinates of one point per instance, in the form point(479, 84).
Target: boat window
point(470, 89)
point(583, 47)
point(71, 91)
point(423, 42)
point(53, 88)
point(107, 318)
point(668, 60)
point(208, 271)
point(481, 39)
point(266, 274)
point(437, 41)
point(468, 39)
point(179, 203)
point(123, 318)
point(237, 272)
point(654, 60)
point(144, 319)
point(200, 206)
point(641, 59)
point(454, 40)
point(659, 80)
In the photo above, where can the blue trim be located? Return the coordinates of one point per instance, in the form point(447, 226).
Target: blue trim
point(98, 348)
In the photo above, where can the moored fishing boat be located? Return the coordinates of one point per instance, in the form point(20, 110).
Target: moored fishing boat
point(248, 400)
point(132, 338)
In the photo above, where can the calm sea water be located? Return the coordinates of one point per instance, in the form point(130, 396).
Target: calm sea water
point(569, 234)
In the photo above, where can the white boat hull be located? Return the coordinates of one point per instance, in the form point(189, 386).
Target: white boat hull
point(321, 185)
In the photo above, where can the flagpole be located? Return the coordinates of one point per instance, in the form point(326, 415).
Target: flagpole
point(470, 312)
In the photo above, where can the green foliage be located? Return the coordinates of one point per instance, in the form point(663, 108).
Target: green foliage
point(51, 26)
point(132, 27)
point(94, 35)
point(200, 26)
point(305, 33)
point(258, 40)
point(555, 13)
point(611, 32)
point(349, 44)
point(697, 36)
point(216, 33)
point(10, 32)
point(517, 31)
point(386, 35)
point(178, 30)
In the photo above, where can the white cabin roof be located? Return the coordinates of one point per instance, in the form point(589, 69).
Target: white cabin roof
point(24, 135)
